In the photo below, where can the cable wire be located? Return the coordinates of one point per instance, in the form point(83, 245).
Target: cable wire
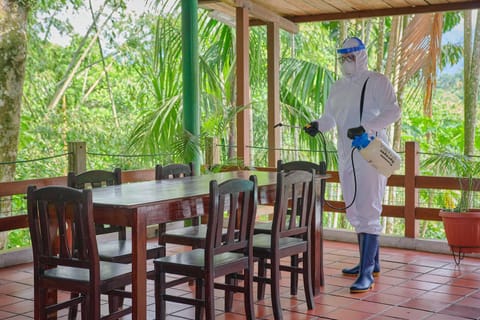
point(322, 137)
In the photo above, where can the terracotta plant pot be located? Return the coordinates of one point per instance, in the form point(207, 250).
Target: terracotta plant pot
point(462, 231)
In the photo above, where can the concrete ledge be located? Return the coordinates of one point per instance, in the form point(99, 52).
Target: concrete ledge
point(15, 256)
point(24, 255)
point(425, 245)
point(436, 246)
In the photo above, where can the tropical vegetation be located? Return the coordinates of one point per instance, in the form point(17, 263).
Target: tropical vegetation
point(118, 86)
point(467, 169)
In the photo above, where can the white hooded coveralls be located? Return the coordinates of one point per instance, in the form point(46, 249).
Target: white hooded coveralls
point(343, 111)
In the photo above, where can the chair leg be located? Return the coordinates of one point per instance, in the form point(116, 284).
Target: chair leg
point(199, 295)
point(84, 310)
point(51, 298)
point(72, 311)
point(322, 273)
point(88, 311)
point(248, 293)
point(40, 302)
point(162, 227)
point(261, 277)
point(230, 280)
point(194, 246)
point(275, 288)
point(209, 297)
point(93, 303)
point(160, 305)
point(294, 275)
point(115, 302)
point(307, 279)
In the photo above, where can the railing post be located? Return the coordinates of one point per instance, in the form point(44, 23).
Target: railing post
point(412, 169)
point(212, 156)
point(77, 156)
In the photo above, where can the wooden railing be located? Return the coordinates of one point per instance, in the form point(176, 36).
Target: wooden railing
point(411, 182)
point(8, 189)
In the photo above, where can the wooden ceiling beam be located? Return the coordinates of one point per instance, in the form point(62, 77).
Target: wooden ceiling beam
point(451, 6)
point(266, 15)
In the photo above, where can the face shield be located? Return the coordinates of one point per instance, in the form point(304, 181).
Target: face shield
point(352, 56)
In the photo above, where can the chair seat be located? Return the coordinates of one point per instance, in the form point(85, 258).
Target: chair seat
point(108, 270)
point(195, 258)
point(263, 227)
point(193, 236)
point(262, 242)
point(266, 227)
point(121, 251)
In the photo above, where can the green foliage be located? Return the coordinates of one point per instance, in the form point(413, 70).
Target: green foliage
point(450, 20)
point(451, 55)
point(18, 239)
point(466, 168)
point(433, 230)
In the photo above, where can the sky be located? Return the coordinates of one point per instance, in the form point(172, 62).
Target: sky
point(82, 20)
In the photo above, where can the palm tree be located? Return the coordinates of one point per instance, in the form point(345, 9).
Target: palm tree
point(471, 79)
point(160, 127)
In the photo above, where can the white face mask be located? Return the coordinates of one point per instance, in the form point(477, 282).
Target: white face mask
point(348, 68)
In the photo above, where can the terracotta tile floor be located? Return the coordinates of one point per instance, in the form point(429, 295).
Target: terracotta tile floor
point(412, 285)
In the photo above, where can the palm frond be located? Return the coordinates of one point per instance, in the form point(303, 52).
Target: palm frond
point(419, 51)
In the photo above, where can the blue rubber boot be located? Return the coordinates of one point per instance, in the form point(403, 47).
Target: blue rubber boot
point(353, 272)
point(368, 250)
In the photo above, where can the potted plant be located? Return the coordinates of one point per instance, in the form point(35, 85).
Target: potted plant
point(461, 220)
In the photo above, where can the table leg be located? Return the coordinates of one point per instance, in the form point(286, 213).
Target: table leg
point(139, 268)
point(317, 239)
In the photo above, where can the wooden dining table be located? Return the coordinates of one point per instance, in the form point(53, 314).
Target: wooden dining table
point(140, 204)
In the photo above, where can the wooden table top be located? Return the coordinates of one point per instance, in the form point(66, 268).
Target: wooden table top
point(148, 192)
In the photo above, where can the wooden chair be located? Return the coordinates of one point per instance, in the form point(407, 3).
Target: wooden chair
point(233, 203)
point(114, 250)
point(65, 255)
point(194, 235)
point(182, 236)
point(290, 236)
point(95, 179)
point(266, 227)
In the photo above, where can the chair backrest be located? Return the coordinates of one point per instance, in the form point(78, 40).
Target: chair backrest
point(320, 168)
point(233, 203)
point(61, 227)
point(175, 170)
point(95, 179)
point(294, 204)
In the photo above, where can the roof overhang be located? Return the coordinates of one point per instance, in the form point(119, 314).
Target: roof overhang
point(289, 12)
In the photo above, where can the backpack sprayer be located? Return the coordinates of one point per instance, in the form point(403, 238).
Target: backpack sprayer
point(375, 151)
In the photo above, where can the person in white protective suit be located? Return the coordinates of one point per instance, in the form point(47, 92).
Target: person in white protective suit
point(343, 110)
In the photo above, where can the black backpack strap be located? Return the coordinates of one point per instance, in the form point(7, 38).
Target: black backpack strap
point(361, 100)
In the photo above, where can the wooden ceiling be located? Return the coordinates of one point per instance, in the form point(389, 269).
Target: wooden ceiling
point(295, 11)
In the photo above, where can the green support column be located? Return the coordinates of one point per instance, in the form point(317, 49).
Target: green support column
point(191, 87)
